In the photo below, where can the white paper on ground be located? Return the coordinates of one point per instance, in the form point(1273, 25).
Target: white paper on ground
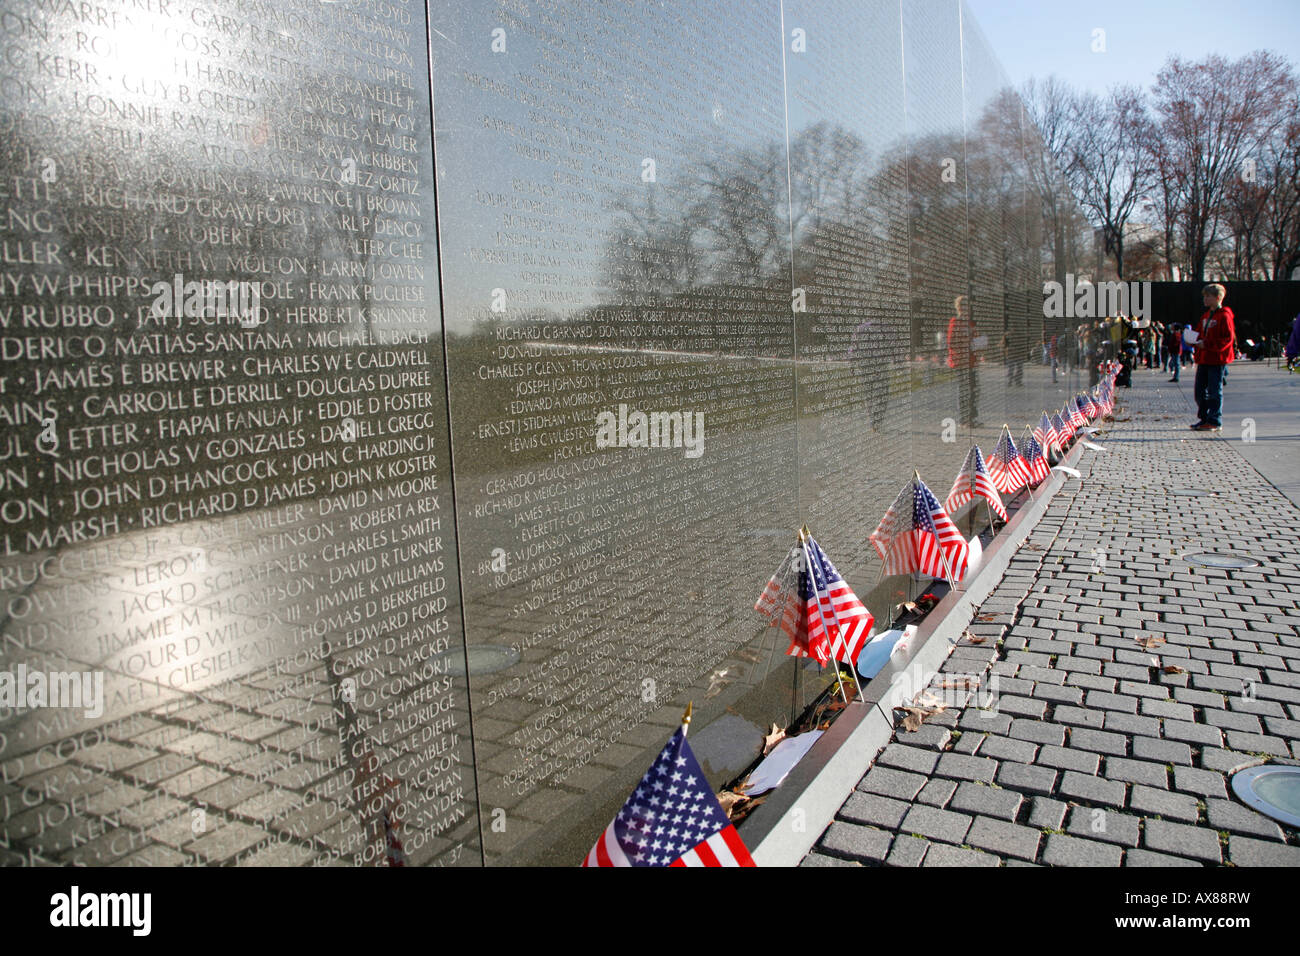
point(1088, 444)
point(777, 765)
point(873, 658)
point(974, 554)
point(1072, 472)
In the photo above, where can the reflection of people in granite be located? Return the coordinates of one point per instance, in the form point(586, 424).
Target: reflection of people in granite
point(962, 344)
point(1015, 360)
point(869, 353)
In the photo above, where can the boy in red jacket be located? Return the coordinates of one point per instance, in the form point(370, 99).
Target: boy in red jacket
point(1216, 345)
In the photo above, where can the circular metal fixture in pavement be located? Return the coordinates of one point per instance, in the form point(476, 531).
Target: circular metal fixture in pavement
point(1206, 559)
point(1272, 789)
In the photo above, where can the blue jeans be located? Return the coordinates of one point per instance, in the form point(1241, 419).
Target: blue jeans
point(1175, 365)
point(1209, 393)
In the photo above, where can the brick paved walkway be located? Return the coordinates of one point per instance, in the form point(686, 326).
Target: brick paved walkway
point(1093, 754)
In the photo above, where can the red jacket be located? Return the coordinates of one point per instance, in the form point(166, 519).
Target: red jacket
point(961, 334)
point(1217, 338)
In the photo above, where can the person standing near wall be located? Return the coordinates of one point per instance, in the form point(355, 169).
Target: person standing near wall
point(1216, 346)
point(1174, 348)
point(961, 358)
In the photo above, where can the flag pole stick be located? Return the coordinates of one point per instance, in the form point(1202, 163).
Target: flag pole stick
point(686, 717)
point(943, 555)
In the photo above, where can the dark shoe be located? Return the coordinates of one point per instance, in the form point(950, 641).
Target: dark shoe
point(1195, 425)
point(1207, 427)
point(1173, 380)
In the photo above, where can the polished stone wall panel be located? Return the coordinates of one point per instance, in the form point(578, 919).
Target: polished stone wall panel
point(363, 574)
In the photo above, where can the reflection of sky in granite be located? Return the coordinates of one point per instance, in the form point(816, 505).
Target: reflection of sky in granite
point(817, 169)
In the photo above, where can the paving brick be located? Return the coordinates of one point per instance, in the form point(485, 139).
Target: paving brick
point(1046, 813)
point(1227, 761)
point(856, 842)
point(1108, 826)
point(1027, 779)
point(942, 825)
point(1005, 839)
point(1137, 771)
point(1203, 783)
point(903, 757)
point(941, 855)
point(1257, 743)
point(1168, 709)
point(1091, 682)
point(1008, 748)
point(1147, 858)
point(1021, 706)
point(1068, 759)
point(1100, 700)
point(1226, 815)
point(892, 783)
point(989, 801)
point(1144, 689)
point(1201, 734)
point(984, 721)
point(907, 851)
point(1062, 695)
point(821, 859)
point(1093, 789)
point(1180, 839)
point(874, 809)
point(1064, 850)
point(962, 767)
point(1245, 851)
point(1038, 731)
point(1162, 751)
point(937, 792)
point(929, 735)
point(1079, 716)
point(1098, 741)
point(1126, 671)
point(1132, 724)
point(1163, 803)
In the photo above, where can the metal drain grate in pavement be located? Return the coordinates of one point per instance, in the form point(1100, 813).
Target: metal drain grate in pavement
point(1272, 790)
point(1207, 559)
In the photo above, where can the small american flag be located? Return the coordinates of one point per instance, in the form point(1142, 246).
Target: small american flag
point(1063, 431)
point(672, 818)
point(916, 534)
point(972, 480)
point(1045, 435)
point(1035, 460)
point(809, 600)
point(1006, 467)
point(1076, 415)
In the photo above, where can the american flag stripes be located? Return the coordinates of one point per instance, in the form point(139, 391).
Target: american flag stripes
point(1075, 415)
point(1035, 460)
point(916, 535)
point(809, 600)
point(972, 480)
point(1045, 435)
point(1006, 467)
point(672, 818)
point(1063, 431)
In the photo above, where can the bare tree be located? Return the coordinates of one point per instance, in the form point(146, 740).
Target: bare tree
point(1281, 175)
point(1109, 168)
point(1212, 116)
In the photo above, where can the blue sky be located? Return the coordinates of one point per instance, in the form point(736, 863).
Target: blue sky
point(1041, 37)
